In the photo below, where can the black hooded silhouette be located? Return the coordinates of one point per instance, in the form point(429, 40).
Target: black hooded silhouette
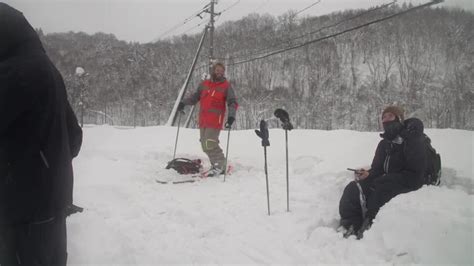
point(39, 136)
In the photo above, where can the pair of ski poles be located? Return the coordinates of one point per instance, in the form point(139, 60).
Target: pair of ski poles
point(264, 135)
point(227, 146)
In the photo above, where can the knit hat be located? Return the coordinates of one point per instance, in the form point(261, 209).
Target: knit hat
point(396, 110)
point(216, 64)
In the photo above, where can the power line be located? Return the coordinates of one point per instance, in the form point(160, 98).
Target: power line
point(339, 33)
point(217, 19)
point(225, 9)
point(194, 27)
point(290, 40)
point(198, 13)
point(292, 17)
point(229, 7)
point(186, 20)
point(308, 7)
point(345, 20)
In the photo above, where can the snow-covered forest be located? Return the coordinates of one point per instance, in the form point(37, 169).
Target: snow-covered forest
point(423, 60)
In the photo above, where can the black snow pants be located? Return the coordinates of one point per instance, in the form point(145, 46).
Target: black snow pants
point(353, 202)
point(35, 244)
point(376, 193)
point(385, 188)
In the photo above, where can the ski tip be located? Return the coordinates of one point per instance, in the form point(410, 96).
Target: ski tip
point(175, 182)
point(184, 181)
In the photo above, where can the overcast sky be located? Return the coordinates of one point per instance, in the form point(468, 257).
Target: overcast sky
point(147, 20)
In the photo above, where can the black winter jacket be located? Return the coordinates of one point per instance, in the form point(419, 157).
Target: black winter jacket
point(39, 133)
point(405, 161)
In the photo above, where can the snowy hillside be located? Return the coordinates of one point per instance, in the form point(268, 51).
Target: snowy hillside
point(131, 219)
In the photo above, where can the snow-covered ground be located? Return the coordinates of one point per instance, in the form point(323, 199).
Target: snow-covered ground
point(130, 219)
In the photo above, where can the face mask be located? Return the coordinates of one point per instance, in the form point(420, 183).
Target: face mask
point(392, 129)
point(216, 77)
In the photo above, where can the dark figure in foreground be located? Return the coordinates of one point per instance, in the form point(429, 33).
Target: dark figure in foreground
point(398, 167)
point(39, 136)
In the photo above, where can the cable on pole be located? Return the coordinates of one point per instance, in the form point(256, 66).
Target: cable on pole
point(188, 19)
point(339, 33)
point(266, 49)
point(306, 8)
point(229, 7)
point(194, 27)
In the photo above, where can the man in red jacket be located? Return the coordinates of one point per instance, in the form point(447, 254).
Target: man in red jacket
point(213, 94)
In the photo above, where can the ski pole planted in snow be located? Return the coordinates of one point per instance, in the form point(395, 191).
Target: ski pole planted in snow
point(263, 134)
point(227, 154)
point(286, 124)
point(177, 133)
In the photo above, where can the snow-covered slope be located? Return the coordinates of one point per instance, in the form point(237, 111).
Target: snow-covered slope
point(131, 219)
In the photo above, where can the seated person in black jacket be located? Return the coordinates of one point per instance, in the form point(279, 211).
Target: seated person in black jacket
point(398, 167)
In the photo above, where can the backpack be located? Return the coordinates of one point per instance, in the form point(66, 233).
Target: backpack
point(433, 171)
point(414, 128)
point(185, 166)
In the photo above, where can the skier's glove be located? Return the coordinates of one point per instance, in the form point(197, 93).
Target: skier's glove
point(263, 133)
point(71, 209)
point(284, 118)
point(287, 126)
point(230, 121)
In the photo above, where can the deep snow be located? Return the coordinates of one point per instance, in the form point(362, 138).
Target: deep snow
point(131, 219)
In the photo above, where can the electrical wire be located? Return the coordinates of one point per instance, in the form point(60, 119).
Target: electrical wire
point(188, 19)
point(293, 16)
point(308, 7)
point(194, 27)
point(229, 7)
point(339, 33)
point(289, 41)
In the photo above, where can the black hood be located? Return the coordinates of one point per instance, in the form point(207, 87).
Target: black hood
point(16, 34)
point(413, 128)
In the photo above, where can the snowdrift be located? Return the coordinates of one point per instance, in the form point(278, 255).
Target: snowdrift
point(131, 219)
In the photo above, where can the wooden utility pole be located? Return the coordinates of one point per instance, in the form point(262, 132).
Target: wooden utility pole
point(211, 34)
point(210, 28)
point(172, 118)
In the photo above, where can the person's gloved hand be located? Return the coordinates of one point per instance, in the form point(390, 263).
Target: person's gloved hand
point(71, 209)
point(361, 174)
point(181, 107)
point(230, 121)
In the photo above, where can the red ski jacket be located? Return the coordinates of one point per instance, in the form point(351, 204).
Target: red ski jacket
point(213, 96)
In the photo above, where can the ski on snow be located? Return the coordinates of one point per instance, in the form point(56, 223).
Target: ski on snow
point(192, 178)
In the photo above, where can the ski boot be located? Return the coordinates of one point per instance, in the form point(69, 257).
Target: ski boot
point(366, 224)
point(214, 172)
